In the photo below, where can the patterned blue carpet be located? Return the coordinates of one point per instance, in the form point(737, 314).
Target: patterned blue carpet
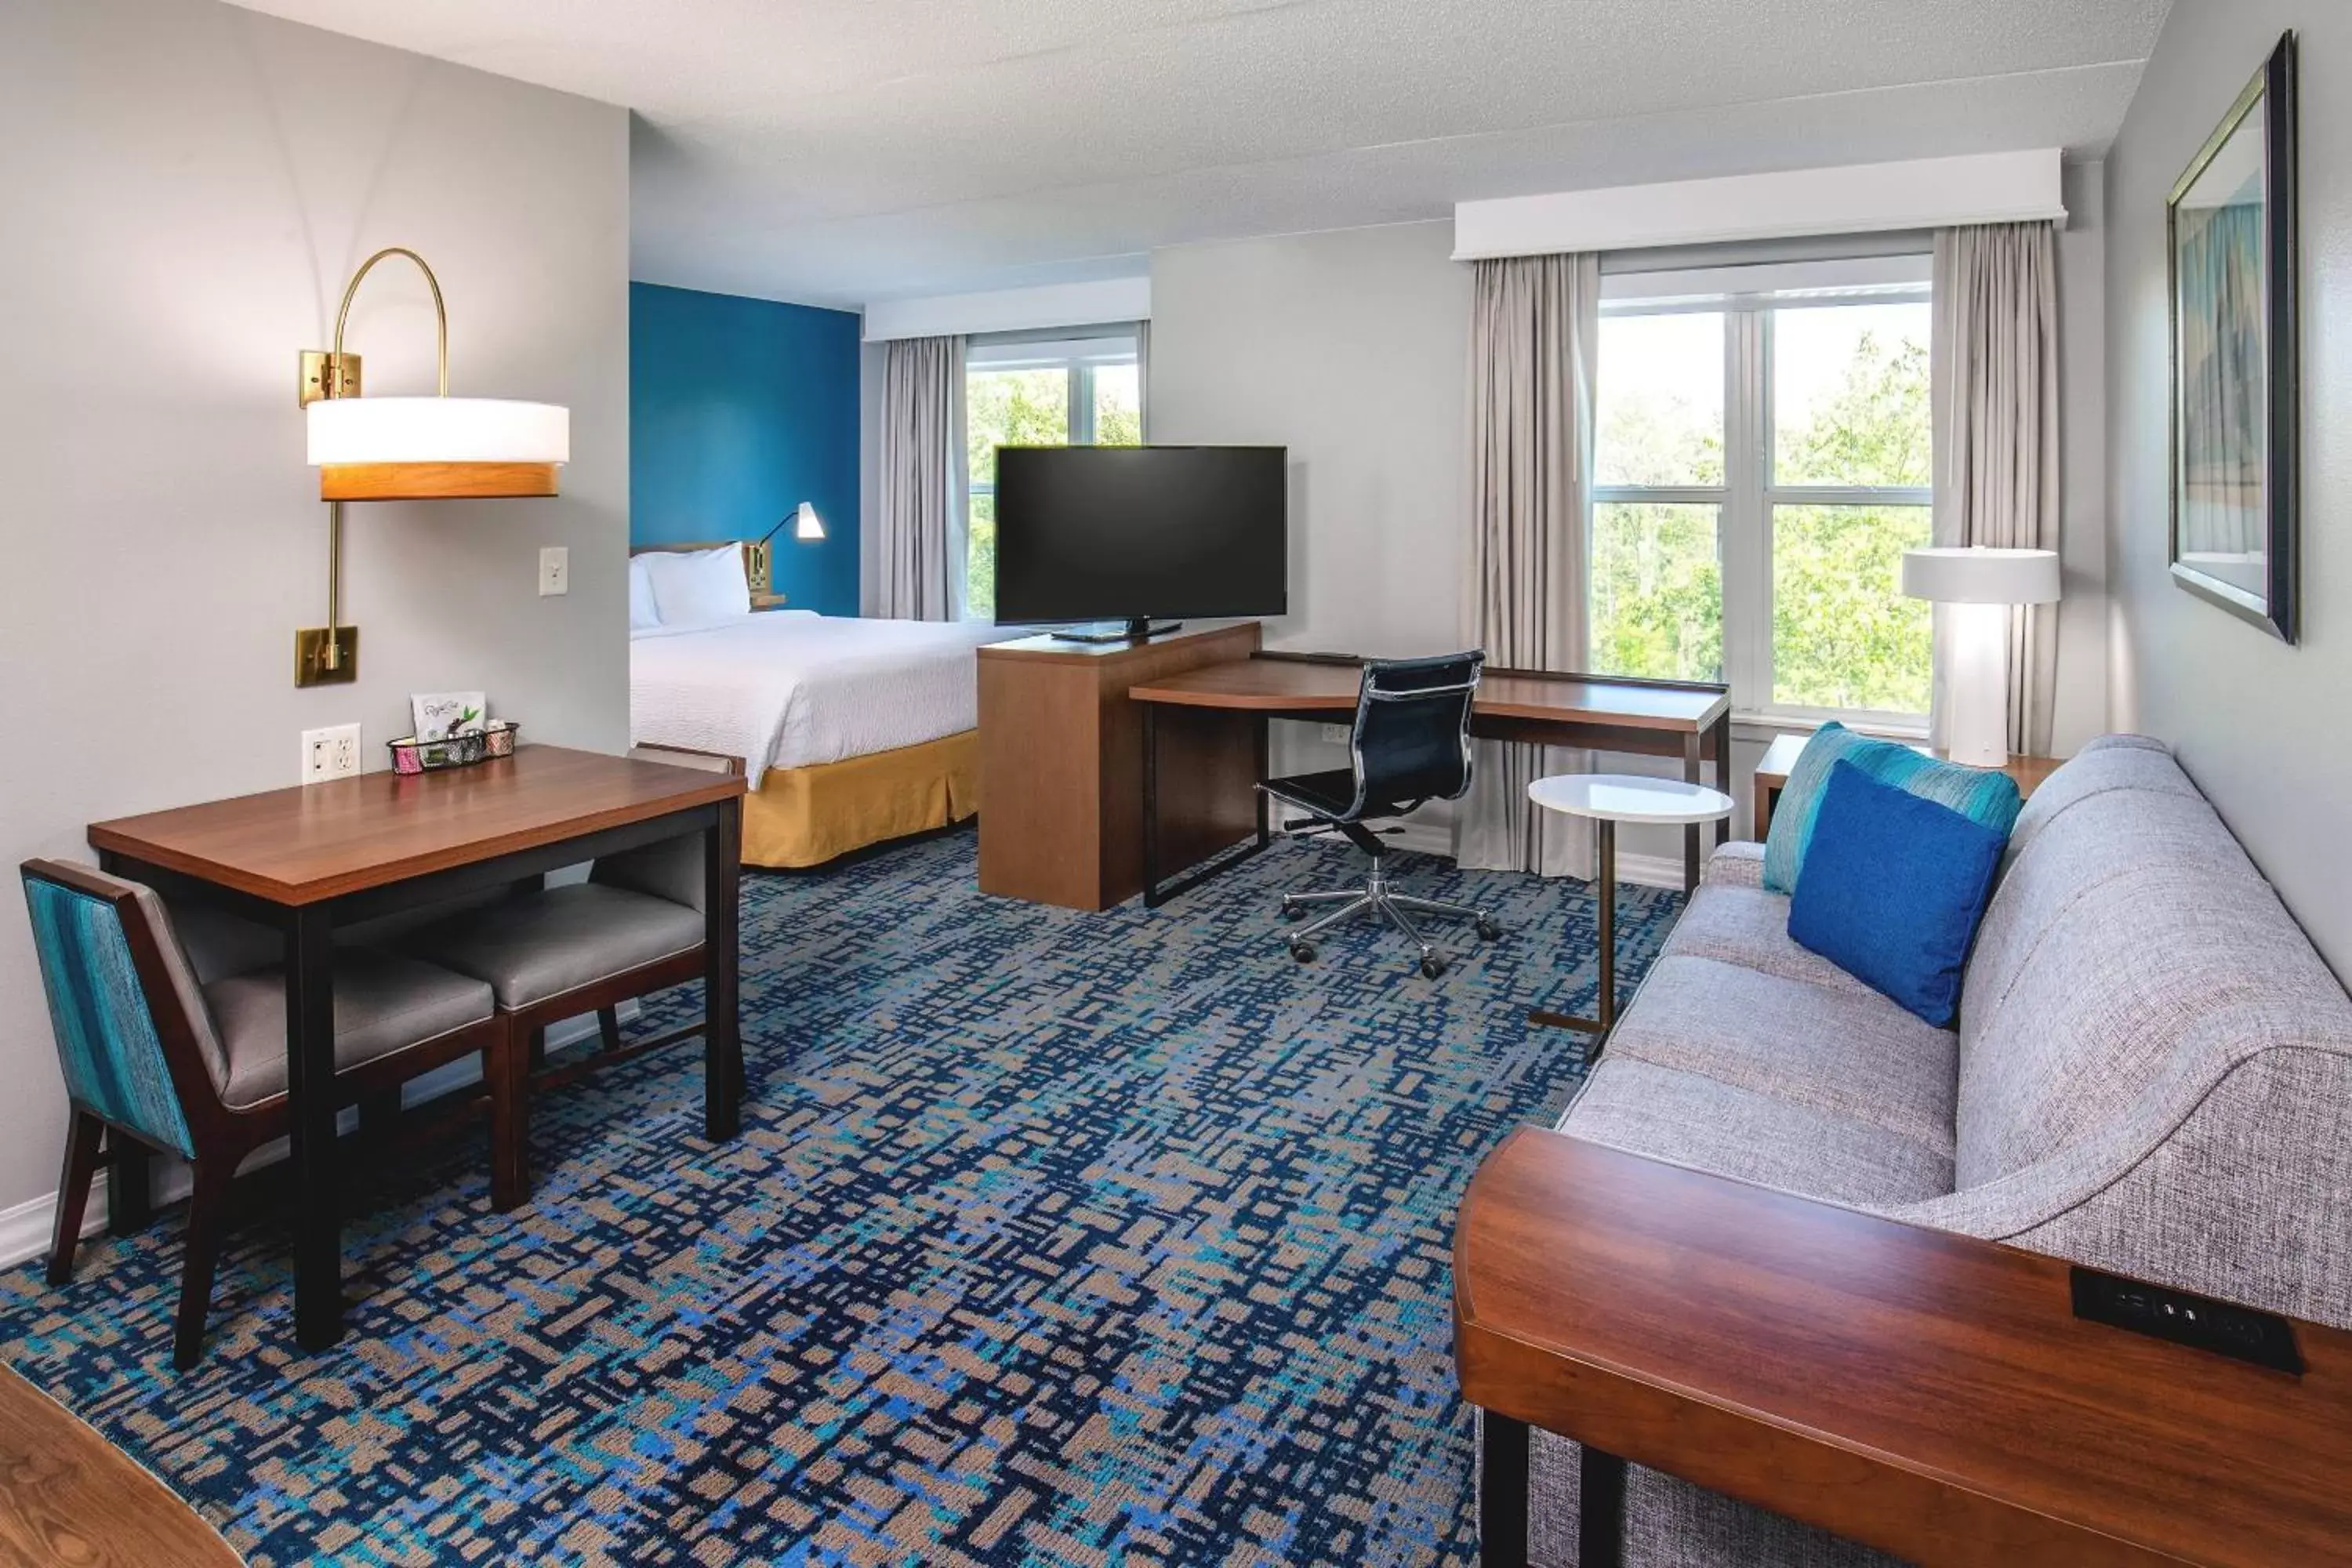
point(1049, 1238)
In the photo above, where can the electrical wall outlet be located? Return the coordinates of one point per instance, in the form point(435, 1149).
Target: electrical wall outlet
point(329, 753)
point(554, 571)
point(1336, 734)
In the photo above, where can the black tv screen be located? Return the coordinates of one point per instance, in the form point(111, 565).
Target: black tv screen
point(1087, 533)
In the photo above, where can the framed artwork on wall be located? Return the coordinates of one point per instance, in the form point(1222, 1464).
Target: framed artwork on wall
point(2235, 398)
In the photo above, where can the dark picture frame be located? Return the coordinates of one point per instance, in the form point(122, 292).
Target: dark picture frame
point(2235, 375)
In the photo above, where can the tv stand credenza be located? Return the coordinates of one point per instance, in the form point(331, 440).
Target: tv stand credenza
point(1061, 765)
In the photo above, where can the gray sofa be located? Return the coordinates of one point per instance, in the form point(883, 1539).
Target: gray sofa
point(2152, 1073)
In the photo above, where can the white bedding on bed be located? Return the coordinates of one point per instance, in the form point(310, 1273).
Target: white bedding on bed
point(785, 689)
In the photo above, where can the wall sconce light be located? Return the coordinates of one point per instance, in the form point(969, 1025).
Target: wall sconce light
point(756, 560)
point(408, 448)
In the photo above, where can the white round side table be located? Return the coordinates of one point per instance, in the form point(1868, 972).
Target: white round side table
point(1609, 799)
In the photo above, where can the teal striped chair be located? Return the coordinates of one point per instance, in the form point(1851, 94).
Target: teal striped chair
point(156, 1057)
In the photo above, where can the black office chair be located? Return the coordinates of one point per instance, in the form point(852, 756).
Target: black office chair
point(1411, 745)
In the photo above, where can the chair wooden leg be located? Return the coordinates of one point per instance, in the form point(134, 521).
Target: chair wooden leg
point(608, 1029)
point(207, 1209)
point(507, 1067)
point(537, 1048)
point(129, 1201)
point(84, 1136)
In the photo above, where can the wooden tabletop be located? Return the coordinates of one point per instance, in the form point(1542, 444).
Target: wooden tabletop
point(1925, 1392)
point(1273, 685)
point(1772, 768)
point(318, 841)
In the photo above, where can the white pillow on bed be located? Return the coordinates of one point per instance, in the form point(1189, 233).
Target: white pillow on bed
point(643, 615)
point(700, 586)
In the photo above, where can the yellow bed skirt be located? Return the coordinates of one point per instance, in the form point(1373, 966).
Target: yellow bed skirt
point(805, 816)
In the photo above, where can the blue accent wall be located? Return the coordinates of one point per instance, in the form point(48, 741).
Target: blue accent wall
point(738, 411)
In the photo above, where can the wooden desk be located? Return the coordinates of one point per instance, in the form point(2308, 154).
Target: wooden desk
point(1772, 773)
point(1667, 719)
point(1928, 1393)
point(306, 860)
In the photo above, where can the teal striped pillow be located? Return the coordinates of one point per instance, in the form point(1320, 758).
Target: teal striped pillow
point(1986, 796)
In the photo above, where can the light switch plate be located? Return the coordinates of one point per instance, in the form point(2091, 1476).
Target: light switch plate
point(332, 753)
point(1337, 734)
point(554, 571)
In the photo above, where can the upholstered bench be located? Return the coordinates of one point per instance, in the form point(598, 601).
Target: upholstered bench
point(2152, 1074)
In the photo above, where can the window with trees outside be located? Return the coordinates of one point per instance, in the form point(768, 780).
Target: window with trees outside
point(1037, 390)
point(1764, 460)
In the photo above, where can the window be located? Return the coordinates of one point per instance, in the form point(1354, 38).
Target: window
point(1764, 459)
point(1034, 390)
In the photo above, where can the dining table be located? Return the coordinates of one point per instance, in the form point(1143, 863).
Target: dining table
point(313, 860)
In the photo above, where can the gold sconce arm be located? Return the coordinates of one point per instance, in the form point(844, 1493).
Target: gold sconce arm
point(334, 374)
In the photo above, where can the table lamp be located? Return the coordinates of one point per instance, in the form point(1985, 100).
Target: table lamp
point(805, 525)
point(1979, 583)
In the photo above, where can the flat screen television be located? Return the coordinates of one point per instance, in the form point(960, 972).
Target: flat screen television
point(1131, 533)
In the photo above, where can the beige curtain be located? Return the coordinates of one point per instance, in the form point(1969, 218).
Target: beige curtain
point(921, 474)
point(1995, 369)
point(1143, 377)
point(1535, 347)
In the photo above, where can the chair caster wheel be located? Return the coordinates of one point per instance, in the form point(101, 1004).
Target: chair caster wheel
point(1488, 931)
point(1432, 967)
point(1291, 912)
point(1304, 951)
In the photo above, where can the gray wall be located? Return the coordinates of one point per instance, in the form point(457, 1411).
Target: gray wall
point(2081, 711)
point(1349, 347)
point(2257, 723)
point(188, 186)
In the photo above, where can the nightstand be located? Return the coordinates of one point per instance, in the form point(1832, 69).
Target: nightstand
point(767, 601)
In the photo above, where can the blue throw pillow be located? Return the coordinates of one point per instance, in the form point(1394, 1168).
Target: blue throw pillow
point(1893, 888)
point(1986, 796)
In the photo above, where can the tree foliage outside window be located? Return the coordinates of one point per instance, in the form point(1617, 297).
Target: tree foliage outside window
point(1657, 591)
point(1842, 634)
point(1003, 408)
point(1851, 397)
point(1031, 407)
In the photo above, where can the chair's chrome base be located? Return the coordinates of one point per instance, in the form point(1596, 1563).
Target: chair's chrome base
point(1375, 895)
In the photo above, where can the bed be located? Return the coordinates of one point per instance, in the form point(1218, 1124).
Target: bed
point(851, 731)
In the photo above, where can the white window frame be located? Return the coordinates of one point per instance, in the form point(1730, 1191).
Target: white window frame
point(1747, 298)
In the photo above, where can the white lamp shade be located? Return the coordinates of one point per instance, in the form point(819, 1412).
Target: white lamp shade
point(367, 430)
point(806, 524)
point(1979, 574)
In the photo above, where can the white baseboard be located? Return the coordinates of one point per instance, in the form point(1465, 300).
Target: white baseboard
point(1650, 870)
point(25, 1229)
point(1643, 870)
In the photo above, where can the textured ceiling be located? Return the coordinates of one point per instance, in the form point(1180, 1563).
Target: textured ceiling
point(842, 150)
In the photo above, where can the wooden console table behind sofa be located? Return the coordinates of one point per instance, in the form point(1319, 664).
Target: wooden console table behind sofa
point(1925, 1393)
